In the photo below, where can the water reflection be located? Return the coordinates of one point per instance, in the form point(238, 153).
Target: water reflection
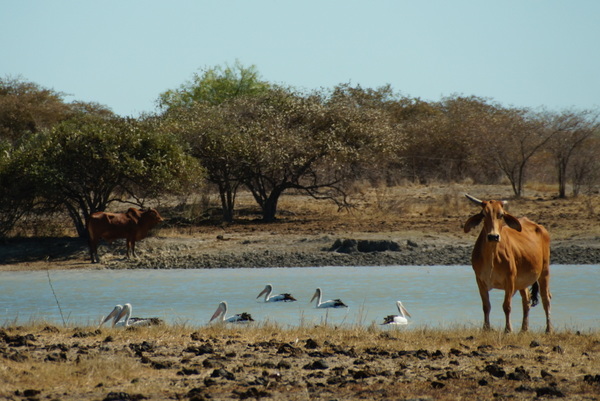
point(435, 296)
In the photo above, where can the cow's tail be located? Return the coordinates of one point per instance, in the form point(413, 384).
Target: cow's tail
point(535, 290)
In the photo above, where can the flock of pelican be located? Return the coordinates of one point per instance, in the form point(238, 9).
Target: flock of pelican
point(121, 314)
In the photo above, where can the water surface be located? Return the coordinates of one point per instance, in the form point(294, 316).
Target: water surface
point(438, 296)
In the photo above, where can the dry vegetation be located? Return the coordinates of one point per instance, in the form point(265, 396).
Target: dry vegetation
point(323, 362)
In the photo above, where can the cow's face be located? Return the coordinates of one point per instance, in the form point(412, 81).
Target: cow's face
point(154, 216)
point(494, 217)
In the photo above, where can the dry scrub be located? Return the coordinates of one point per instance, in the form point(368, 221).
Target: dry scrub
point(323, 362)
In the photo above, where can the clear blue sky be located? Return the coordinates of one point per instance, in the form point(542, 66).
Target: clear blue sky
point(124, 53)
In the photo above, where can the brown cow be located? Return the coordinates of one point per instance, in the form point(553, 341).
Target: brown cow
point(510, 254)
point(132, 225)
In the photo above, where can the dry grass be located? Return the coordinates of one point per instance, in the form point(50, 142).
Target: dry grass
point(79, 363)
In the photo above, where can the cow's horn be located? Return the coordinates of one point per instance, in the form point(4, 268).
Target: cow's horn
point(474, 200)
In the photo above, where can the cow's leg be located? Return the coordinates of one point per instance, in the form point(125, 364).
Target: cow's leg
point(129, 242)
point(93, 244)
point(509, 291)
point(525, 300)
point(485, 300)
point(544, 282)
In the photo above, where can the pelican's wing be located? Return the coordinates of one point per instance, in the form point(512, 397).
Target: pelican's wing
point(142, 321)
point(282, 298)
point(337, 303)
point(389, 319)
point(288, 297)
point(243, 317)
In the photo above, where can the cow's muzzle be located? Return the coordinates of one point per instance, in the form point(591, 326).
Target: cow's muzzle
point(493, 237)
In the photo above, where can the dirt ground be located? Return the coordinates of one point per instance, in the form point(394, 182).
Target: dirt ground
point(314, 363)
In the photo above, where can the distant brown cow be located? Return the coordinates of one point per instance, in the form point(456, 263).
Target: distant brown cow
point(132, 225)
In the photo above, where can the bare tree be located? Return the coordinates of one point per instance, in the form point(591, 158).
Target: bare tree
point(585, 166)
point(513, 137)
point(569, 131)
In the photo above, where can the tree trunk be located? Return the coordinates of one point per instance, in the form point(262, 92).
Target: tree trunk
point(562, 179)
point(269, 207)
point(77, 221)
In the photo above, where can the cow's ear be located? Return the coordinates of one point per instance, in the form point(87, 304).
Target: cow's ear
point(132, 214)
point(473, 222)
point(512, 222)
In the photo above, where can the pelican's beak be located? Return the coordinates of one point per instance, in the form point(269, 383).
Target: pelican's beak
point(405, 311)
point(111, 315)
point(106, 319)
point(262, 292)
point(314, 296)
point(217, 313)
point(123, 313)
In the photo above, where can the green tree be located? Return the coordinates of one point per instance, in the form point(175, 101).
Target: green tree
point(17, 191)
point(308, 144)
point(89, 161)
point(217, 140)
point(201, 111)
point(214, 86)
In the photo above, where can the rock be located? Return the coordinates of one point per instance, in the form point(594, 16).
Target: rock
point(252, 392)
point(159, 365)
point(352, 245)
point(188, 372)
point(289, 349)
point(362, 374)
point(283, 364)
point(519, 374)
point(117, 396)
point(223, 373)
point(56, 357)
point(592, 379)
point(200, 350)
point(495, 370)
point(318, 364)
point(551, 391)
point(142, 347)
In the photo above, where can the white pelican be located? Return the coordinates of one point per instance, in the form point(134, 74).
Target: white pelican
point(275, 298)
point(239, 318)
point(397, 319)
point(119, 311)
point(335, 303)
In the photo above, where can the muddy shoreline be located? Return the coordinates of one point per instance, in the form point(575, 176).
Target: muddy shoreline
point(263, 251)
